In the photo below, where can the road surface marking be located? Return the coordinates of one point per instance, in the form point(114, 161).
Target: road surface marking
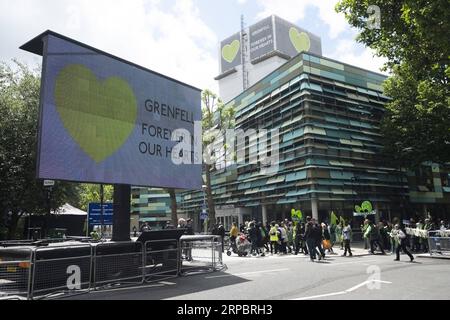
point(167, 283)
point(342, 263)
point(322, 295)
point(246, 273)
point(343, 292)
point(127, 288)
point(366, 283)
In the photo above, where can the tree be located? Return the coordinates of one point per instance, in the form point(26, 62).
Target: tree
point(91, 193)
point(20, 191)
point(413, 36)
point(173, 206)
point(216, 119)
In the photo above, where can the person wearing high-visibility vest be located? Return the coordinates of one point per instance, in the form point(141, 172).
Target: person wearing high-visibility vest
point(274, 237)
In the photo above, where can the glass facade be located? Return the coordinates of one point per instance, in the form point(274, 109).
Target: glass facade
point(328, 117)
point(152, 205)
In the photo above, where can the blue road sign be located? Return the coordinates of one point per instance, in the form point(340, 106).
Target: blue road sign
point(203, 214)
point(95, 214)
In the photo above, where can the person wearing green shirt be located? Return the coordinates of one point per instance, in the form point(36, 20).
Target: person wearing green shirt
point(364, 228)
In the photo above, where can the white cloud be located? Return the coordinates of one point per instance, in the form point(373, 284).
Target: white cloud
point(295, 10)
point(174, 42)
point(350, 52)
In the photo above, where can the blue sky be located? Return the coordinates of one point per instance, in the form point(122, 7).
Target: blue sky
point(179, 38)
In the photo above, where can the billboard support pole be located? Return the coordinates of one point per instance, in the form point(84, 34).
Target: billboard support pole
point(101, 210)
point(121, 216)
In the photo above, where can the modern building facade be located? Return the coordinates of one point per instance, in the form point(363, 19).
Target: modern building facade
point(151, 205)
point(327, 115)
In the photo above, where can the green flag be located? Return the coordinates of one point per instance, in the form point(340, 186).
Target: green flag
point(296, 215)
point(342, 220)
point(333, 220)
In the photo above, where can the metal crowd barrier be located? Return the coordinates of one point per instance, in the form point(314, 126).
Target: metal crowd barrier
point(118, 263)
point(161, 260)
point(15, 272)
point(28, 272)
point(439, 242)
point(201, 254)
point(65, 270)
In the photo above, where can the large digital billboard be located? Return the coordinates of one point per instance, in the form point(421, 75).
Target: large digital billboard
point(106, 120)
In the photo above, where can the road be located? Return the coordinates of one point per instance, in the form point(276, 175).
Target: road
point(290, 277)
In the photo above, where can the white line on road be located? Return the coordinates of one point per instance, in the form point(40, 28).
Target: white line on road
point(128, 288)
point(342, 263)
point(245, 273)
point(343, 292)
point(322, 295)
point(366, 283)
point(167, 283)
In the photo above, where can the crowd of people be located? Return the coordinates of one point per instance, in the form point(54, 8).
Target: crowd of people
point(386, 236)
point(286, 237)
point(318, 239)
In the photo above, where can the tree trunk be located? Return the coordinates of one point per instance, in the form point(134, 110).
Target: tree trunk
point(173, 206)
point(209, 196)
point(12, 229)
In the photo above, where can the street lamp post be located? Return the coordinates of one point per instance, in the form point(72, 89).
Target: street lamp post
point(354, 180)
point(205, 222)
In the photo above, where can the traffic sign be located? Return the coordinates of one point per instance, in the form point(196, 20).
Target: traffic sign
point(95, 214)
point(203, 214)
point(49, 183)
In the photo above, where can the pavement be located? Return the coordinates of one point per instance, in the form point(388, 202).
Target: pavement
point(295, 277)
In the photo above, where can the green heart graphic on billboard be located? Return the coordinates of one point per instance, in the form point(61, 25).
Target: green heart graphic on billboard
point(230, 51)
point(300, 40)
point(99, 115)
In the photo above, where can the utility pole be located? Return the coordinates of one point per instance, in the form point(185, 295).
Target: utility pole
point(101, 208)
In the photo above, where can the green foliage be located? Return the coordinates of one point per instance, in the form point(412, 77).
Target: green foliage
point(414, 39)
point(216, 119)
point(91, 193)
point(20, 191)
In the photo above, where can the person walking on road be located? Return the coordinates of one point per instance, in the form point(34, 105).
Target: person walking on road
point(283, 238)
point(299, 238)
point(274, 238)
point(264, 237)
point(313, 237)
point(401, 236)
point(221, 233)
point(327, 238)
point(318, 236)
point(364, 228)
point(347, 236)
point(252, 233)
point(234, 232)
point(309, 237)
point(373, 234)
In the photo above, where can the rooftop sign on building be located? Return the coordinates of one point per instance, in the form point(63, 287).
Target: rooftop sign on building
point(266, 45)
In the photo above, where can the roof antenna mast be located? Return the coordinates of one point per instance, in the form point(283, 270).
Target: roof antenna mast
point(244, 53)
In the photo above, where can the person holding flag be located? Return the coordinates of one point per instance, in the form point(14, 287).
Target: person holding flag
point(339, 228)
point(333, 224)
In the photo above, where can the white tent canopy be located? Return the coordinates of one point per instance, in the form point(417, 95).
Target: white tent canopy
point(69, 210)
